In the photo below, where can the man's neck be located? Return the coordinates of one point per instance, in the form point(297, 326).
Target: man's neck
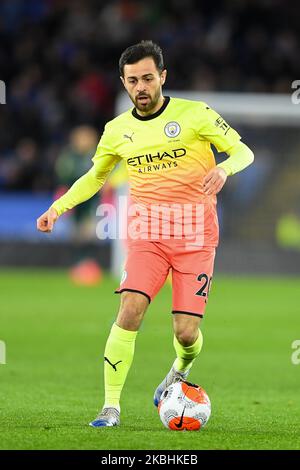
point(153, 110)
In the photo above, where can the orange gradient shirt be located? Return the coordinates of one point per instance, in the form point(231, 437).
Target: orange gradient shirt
point(167, 155)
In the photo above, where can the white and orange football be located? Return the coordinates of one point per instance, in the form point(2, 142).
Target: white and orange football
point(184, 406)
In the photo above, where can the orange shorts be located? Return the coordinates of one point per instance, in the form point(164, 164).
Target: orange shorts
point(149, 262)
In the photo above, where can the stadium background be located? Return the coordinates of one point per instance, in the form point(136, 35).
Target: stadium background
point(58, 60)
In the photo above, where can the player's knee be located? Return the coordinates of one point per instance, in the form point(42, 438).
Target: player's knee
point(187, 337)
point(134, 303)
point(131, 311)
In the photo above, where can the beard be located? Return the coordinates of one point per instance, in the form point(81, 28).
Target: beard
point(145, 102)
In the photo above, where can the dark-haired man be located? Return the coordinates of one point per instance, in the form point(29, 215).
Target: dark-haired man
point(166, 143)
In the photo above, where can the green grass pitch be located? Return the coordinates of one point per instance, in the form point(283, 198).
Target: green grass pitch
point(52, 383)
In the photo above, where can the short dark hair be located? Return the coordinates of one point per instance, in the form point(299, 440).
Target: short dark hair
point(139, 51)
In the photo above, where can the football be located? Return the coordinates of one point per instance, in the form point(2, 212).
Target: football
point(184, 407)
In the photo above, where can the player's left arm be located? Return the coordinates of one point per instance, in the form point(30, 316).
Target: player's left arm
point(219, 133)
point(240, 156)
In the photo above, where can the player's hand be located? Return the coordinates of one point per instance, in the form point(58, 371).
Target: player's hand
point(214, 181)
point(47, 220)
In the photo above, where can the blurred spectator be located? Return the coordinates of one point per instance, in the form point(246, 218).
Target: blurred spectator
point(21, 170)
point(288, 231)
point(73, 162)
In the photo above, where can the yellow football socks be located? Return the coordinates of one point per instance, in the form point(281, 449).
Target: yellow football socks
point(118, 356)
point(186, 354)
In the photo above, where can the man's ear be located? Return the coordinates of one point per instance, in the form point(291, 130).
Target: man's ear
point(122, 80)
point(163, 76)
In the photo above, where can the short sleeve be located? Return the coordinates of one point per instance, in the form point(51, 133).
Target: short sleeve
point(213, 128)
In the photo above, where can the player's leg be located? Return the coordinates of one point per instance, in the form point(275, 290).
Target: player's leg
point(145, 272)
point(187, 344)
point(187, 341)
point(191, 278)
point(120, 345)
point(192, 275)
point(118, 354)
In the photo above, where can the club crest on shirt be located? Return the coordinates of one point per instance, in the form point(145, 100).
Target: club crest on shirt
point(172, 129)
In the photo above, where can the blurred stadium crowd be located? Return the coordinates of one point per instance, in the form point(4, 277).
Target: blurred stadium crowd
point(58, 59)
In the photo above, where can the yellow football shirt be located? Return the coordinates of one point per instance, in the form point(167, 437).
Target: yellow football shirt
point(167, 155)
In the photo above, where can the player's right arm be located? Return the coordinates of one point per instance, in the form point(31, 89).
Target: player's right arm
point(85, 187)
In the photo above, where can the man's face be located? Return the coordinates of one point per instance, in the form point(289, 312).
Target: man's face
point(143, 83)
